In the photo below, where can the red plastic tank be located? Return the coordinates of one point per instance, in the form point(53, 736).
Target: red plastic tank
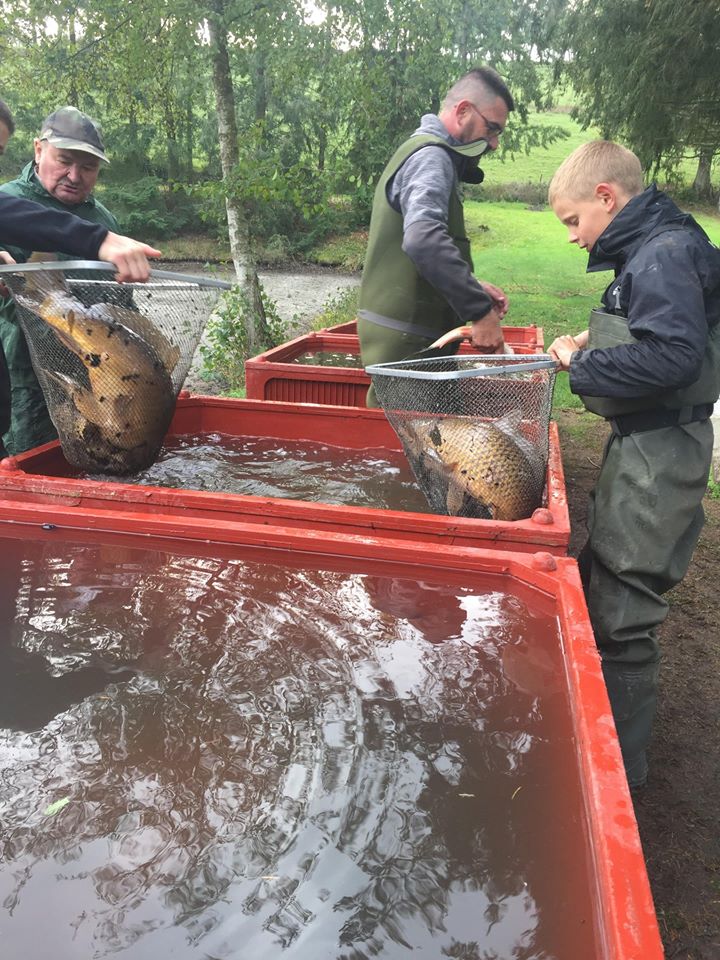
point(621, 913)
point(532, 336)
point(277, 374)
point(39, 484)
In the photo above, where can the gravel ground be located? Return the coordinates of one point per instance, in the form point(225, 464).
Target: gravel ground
point(299, 295)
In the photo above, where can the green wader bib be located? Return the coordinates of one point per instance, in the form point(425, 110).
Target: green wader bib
point(645, 516)
point(400, 313)
point(30, 422)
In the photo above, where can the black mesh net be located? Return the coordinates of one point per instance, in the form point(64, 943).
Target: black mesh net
point(474, 429)
point(110, 357)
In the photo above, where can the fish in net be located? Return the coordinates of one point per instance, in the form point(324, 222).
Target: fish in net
point(474, 429)
point(110, 358)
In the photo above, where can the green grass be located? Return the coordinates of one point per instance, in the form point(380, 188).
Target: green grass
point(540, 163)
point(192, 248)
point(346, 251)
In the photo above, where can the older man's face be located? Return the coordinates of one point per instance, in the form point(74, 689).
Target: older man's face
point(4, 137)
point(68, 175)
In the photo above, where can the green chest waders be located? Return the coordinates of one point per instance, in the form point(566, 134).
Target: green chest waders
point(399, 312)
point(644, 518)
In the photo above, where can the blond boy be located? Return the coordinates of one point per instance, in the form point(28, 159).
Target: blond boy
point(649, 363)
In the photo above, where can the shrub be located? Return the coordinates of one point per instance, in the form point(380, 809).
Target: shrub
point(226, 343)
point(338, 309)
point(150, 209)
point(532, 193)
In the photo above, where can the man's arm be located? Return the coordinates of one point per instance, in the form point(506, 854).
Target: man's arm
point(30, 225)
point(421, 192)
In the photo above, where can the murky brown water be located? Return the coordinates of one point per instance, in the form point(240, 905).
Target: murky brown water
point(297, 469)
point(328, 358)
point(293, 763)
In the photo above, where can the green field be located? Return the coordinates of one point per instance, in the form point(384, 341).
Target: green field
point(540, 163)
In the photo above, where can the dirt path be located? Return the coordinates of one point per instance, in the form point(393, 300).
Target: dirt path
point(298, 295)
point(678, 811)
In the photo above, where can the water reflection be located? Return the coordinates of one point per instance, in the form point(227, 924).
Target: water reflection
point(306, 763)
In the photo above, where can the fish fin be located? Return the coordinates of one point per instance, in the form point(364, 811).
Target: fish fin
point(48, 280)
point(455, 497)
point(510, 421)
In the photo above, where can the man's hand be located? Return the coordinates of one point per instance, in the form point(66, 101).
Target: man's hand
point(129, 256)
point(498, 295)
point(486, 334)
point(4, 292)
point(562, 349)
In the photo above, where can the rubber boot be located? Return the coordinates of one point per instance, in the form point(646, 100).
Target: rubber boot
point(633, 694)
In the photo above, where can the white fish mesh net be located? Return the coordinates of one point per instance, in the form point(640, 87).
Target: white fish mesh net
point(474, 429)
point(110, 358)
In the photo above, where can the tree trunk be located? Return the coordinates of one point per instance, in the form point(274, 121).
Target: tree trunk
point(238, 227)
point(702, 188)
point(189, 137)
point(73, 98)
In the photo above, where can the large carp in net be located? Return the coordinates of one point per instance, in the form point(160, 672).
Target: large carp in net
point(110, 357)
point(474, 429)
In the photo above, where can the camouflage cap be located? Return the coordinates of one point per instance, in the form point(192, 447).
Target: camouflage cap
point(70, 129)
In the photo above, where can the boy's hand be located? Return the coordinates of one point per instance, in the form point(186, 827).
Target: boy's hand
point(562, 350)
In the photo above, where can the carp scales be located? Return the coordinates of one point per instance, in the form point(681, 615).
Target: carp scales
point(168, 353)
point(489, 461)
point(120, 418)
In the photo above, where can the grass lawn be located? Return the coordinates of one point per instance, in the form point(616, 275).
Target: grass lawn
point(540, 163)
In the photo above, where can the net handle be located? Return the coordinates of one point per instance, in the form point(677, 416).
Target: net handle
point(392, 370)
point(102, 265)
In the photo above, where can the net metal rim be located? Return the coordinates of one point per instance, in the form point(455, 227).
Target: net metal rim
point(404, 368)
point(44, 265)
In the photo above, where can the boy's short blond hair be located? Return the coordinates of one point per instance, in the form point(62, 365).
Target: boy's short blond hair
point(600, 161)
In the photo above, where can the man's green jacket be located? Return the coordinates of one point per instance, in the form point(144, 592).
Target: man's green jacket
point(30, 422)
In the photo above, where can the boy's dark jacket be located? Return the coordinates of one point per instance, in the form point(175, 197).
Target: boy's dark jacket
point(668, 286)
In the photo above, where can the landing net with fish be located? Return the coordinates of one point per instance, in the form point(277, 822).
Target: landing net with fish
point(474, 429)
point(110, 357)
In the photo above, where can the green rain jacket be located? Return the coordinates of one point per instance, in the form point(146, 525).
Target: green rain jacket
point(30, 423)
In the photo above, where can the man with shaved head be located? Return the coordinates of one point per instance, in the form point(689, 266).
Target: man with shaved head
point(418, 281)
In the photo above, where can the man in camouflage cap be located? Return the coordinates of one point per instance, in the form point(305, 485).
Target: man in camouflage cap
point(62, 176)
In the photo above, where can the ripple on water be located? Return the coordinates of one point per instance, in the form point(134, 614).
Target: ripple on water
point(301, 470)
point(296, 762)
